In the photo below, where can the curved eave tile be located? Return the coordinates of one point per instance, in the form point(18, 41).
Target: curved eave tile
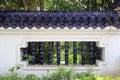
point(61, 19)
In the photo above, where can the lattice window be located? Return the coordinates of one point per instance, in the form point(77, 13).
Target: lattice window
point(62, 53)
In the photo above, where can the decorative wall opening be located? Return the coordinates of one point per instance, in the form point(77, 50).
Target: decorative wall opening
point(62, 53)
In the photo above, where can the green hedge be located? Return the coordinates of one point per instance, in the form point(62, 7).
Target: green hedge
point(60, 74)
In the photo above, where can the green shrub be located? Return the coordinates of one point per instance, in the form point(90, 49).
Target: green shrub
point(31, 77)
point(97, 77)
point(60, 74)
point(11, 77)
point(88, 75)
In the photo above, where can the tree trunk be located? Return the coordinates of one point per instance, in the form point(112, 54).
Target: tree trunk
point(26, 4)
point(35, 5)
point(41, 5)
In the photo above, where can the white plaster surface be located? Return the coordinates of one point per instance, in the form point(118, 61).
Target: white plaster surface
point(12, 40)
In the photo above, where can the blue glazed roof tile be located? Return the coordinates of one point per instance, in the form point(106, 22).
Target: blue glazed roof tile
point(60, 19)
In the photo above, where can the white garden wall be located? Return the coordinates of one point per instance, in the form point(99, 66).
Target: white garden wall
point(12, 39)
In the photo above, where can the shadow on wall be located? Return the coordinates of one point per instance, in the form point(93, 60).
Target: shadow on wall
point(117, 66)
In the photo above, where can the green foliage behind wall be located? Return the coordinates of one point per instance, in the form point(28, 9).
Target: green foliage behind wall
point(56, 5)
